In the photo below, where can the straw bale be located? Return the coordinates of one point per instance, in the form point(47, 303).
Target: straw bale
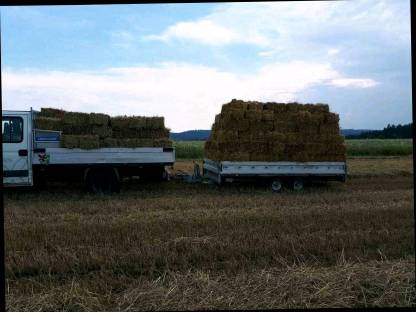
point(89, 141)
point(134, 143)
point(119, 122)
point(267, 115)
point(254, 106)
point(138, 122)
point(243, 135)
point(266, 126)
point(275, 136)
point(155, 122)
point(228, 135)
point(269, 106)
point(243, 125)
point(275, 131)
point(69, 141)
point(332, 118)
point(304, 116)
point(76, 119)
point(283, 126)
point(237, 104)
point(280, 109)
point(52, 112)
point(277, 150)
point(99, 119)
point(48, 123)
point(217, 134)
point(253, 115)
point(234, 105)
point(324, 108)
point(101, 131)
point(140, 133)
point(256, 135)
point(217, 118)
point(108, 142)
point(162, 142)
point(76, 123)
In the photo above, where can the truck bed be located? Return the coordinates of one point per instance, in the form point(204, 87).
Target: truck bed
point(48, 142)
point(220, 170)
point(76, 156)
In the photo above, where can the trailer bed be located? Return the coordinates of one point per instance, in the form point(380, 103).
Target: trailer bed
point(219, 171)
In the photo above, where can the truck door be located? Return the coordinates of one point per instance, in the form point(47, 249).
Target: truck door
point(17, 165)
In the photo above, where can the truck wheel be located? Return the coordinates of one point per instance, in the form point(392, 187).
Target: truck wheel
point(276, 186)
point(102, 181)
point(298, 184)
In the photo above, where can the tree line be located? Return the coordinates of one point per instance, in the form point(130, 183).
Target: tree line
point(390, 132)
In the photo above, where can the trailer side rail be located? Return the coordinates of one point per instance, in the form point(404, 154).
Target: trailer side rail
point(216, 170)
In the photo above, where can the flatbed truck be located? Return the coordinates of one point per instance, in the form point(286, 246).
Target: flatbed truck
point(34, 156)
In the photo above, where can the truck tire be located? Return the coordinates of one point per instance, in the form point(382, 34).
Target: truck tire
point(276, 186)
point(102, 180)
point(298, 184)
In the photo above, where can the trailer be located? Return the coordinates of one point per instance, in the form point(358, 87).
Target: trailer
point(34, 156)
point(276, 173)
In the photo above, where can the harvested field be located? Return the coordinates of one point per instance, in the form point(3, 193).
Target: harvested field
point(175, 246)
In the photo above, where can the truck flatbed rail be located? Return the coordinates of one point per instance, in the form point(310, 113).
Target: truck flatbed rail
point(141, 155)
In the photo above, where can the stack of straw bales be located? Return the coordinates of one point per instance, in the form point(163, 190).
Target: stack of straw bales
point(89, 131)
point(254, 131)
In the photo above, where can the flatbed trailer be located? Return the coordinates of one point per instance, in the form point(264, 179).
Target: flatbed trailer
point(276, 173)
point(34, 155)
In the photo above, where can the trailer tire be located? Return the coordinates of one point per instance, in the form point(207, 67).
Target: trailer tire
point(276, 186)
point(102, 180)
point(298, 184)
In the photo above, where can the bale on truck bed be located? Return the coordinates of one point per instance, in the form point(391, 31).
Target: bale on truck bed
point(48, 123)
point(94, 130)
point(86, 141)
point(255, 131)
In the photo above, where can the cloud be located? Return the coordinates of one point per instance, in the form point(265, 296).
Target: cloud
point(333, 51)
point(266, 53)
point(298, 24)
point(206, 32)
point(355, 83)
point(187, 95)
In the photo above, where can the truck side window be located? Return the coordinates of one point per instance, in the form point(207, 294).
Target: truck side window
point(12, 128)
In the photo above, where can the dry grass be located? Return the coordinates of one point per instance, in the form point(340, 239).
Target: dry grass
point(189, 246)
point(373, 284)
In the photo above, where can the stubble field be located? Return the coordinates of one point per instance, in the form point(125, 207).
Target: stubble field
point(171, 245)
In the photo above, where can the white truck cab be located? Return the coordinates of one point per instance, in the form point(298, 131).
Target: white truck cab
point(17, 147)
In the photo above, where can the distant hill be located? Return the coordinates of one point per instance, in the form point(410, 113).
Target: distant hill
point(389, 132)
point(190, 135)
point(353, 132)
point(202, 135)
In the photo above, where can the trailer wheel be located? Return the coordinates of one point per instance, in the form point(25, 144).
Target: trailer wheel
point(276, 186)
point(298, 184)
point(102, 180)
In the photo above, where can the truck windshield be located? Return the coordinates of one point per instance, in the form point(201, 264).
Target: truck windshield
point(12, 128)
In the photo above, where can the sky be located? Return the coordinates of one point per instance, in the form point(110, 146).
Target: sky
point(183, 61)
